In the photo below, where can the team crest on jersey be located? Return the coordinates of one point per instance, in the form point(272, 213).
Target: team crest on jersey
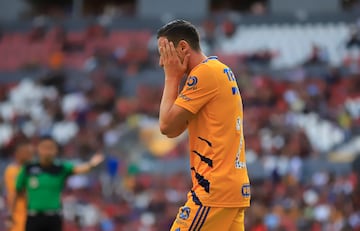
point(33, 182)
point(192, 82)
point(184, 213)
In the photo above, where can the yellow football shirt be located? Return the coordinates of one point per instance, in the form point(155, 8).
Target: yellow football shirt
point(216, 141)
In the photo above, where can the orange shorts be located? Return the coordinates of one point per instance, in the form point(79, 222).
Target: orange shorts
point(192, 217)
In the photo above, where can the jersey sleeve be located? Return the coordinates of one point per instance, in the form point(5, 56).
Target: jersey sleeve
point(199, 89)
point(21, 180)
point(68, 168)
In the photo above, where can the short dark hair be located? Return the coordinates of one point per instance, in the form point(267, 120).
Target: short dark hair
point(20, 143)
point(47, 138)
point(178, 30)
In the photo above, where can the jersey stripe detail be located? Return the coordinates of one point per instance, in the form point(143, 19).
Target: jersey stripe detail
point(202, 181)
point(195, 218)
point(195, 198)
point(199, 220)
point(208, 161)
point(203, 221)
point(205, 140)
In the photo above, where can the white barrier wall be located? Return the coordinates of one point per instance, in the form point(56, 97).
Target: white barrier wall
point(11, 10)
point(311, 6)
point(183, 8)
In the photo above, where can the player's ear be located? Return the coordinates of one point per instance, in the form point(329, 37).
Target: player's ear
point(183, 45)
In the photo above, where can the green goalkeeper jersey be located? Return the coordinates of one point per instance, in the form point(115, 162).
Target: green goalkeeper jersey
point(43, 185)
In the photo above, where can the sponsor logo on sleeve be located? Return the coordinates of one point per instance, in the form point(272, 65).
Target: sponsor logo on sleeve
point(184, 97)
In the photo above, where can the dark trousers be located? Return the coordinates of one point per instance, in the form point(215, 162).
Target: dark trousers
point(43, 222)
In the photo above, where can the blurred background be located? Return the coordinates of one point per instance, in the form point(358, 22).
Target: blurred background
point(86, 72)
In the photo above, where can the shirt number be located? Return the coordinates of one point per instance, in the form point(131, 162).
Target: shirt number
point(231, 77)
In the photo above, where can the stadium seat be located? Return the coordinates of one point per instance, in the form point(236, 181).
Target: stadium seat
point(293, 42)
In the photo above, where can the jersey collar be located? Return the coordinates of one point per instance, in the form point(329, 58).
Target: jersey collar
point(210, 58)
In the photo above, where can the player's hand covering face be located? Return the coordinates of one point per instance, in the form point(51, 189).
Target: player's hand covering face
point(173, 66)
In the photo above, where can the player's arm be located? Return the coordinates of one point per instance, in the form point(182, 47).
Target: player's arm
point(17, 195)
point(9, 180)
point(97, 159)
point(9, 220)
point(19, 189)
point(172, 118)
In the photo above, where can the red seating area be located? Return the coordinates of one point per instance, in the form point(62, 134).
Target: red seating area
point(18, 50)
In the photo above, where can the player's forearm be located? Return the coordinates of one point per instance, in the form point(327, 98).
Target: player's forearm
point(12, 204)
point(95, 161)
point(170, 94)
point(11, 210)
point(83, 168)
point(10, 192)
point(9, 183)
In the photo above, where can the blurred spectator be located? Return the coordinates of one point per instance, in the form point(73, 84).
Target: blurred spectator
point(258, 8)
point(318, 56)
point(106, 224)
point(95, 31)
point(57, 34)
point(38, 31)
point(228, 28)
point(56, 60)
point(209, 34)
point(354, 40)
point(111, 182)
point(66, 42)
point(262, 58)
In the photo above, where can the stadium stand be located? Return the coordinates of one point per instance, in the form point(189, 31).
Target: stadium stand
point(100, 87)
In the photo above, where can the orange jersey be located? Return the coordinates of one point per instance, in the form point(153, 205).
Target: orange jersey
point(217, 146)
point(19, 214)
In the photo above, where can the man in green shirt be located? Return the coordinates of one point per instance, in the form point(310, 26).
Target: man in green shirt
point(43, 182)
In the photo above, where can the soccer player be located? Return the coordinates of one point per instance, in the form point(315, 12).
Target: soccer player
point(210, 107)
point(23, 154)
point(43, 182)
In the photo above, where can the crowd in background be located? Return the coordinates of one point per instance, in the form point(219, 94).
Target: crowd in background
point(114, 108)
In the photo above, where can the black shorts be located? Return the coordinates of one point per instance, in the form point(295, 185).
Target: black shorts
point(43, 222)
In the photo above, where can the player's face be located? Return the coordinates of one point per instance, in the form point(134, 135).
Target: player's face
point(25, 153)
point(47, 150)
